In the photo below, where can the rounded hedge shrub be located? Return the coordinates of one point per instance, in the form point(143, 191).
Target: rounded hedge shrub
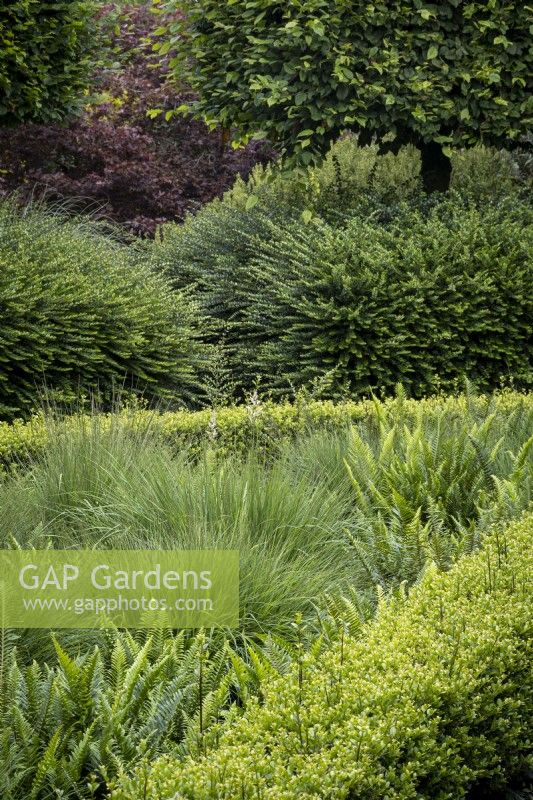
point(427, 299)
point(215, 248)
point(419, 292)
point(77, 312)
point(434, 700)
point(47, 52)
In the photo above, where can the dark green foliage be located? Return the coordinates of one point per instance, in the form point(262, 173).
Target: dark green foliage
point(215, 249)
point(368, 284)
point(77, 312)
point(423, 300)
point(452, 72)
point(47, 51)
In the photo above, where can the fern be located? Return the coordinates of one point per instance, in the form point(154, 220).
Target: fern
point(95, 715)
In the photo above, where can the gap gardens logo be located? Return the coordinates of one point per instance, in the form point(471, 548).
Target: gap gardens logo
point(119, 588)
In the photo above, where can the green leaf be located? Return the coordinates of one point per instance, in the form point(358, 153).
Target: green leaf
point(251, 202)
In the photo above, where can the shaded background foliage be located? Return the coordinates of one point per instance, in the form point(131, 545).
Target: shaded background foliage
point(437, 75)
point(48, 50)
point(114, 158)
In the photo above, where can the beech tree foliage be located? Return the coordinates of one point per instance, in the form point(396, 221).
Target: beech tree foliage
point(438, 75)
point(47, 52)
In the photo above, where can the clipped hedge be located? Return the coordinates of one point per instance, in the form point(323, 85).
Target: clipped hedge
point(47, 54)
point(433, 701)
point(78, 312)
point(235, 428)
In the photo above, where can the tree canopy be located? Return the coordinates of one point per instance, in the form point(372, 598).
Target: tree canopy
point(437, 75)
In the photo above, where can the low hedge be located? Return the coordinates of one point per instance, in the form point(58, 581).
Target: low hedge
point(433, 701)
point(235, 428)
point(78, 312)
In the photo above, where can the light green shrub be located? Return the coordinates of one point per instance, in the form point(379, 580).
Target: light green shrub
point(434, 698)
point(359, 180)
point(78, 312)
point(351, 179)
point(234, 429)
point(485, 174)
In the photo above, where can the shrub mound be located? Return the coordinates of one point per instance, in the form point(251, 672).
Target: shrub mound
point(425, 300)
point(435, 699)
point(397, 288)
point(78, 312)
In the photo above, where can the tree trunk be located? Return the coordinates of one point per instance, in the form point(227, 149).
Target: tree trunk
point(436, 168)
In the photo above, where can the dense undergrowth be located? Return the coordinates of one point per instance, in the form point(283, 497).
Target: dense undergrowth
point(275, 287)
point(77, 312)
point(328, 518)
point(323, 368)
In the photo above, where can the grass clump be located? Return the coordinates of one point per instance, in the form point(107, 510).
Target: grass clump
point(358, 506)
point(111, 488)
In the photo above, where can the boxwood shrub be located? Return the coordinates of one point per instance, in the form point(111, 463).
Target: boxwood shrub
point(434, 700)
point(78, 312)
point(235, 429)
